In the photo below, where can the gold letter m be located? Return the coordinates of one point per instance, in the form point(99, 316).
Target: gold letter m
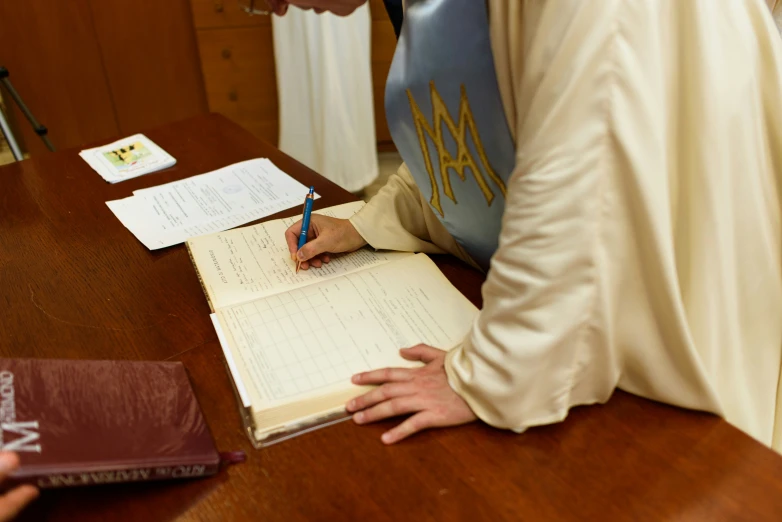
point(464, 157)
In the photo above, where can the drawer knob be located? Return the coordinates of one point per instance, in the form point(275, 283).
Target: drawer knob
point(226, 53)
point(219, 6)
point(233, 95)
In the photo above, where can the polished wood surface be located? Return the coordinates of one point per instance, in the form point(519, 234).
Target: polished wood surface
point(75, 283)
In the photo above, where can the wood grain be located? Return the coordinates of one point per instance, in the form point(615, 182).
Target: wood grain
point(151, 60)
point(75, 283)
point(55, 65)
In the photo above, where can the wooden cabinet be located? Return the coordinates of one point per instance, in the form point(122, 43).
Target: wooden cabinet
point(237, 60)
point(239, 77)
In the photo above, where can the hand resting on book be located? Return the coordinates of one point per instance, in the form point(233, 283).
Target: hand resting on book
point(423, 391)
point(14, 500)
point(327, 235)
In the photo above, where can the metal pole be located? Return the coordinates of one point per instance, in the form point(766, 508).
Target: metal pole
point(39, 129)
point(9, 137)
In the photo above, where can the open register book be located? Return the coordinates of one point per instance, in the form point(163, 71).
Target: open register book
point(292, 341)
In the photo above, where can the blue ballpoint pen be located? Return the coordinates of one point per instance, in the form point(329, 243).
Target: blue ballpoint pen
point(305, 222)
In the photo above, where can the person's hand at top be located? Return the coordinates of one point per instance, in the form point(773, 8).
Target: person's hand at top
point(338, 7)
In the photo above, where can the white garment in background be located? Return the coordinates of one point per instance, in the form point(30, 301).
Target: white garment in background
point(324, 80)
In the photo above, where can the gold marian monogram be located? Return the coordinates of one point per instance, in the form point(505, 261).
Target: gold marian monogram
point(464, 157)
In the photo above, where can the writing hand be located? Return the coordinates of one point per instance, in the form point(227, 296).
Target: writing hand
point(327, 235)
point(13, 501)
point(424, 391)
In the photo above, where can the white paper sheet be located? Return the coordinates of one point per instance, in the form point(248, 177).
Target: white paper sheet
point(170, 214)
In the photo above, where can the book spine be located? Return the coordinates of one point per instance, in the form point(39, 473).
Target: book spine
point(200, 279)
point(114, 476)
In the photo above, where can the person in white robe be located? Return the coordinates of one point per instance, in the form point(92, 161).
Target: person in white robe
point(640, 242)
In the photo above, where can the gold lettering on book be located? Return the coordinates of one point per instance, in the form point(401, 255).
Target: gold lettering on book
point(28, 432)
point(464, 157)
point(57, 480)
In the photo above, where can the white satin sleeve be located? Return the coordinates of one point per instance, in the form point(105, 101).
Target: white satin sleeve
point(399, 218)
point(538, 346)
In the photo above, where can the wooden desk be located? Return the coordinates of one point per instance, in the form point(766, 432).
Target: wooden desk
point(75, 283)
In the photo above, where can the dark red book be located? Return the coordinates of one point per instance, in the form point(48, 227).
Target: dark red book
point(76, 423)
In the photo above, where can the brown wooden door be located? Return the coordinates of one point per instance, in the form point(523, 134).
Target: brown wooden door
point(93, 69)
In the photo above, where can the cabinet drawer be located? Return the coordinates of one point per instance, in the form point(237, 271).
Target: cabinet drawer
point(239, 75)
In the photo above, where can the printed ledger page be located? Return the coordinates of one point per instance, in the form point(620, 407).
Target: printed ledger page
point(309, 342)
